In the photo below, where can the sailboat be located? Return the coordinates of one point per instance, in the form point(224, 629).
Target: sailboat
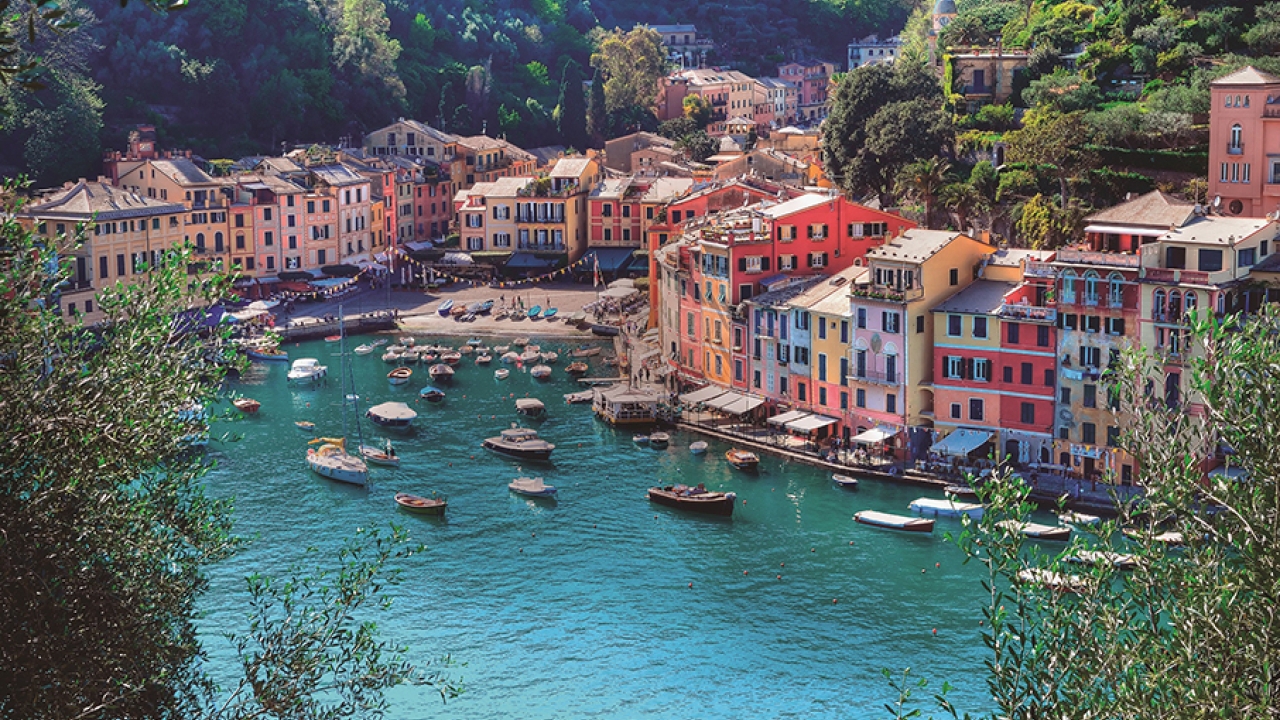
point(331, 459)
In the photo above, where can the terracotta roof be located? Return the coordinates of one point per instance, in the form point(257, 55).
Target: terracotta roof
point(1155, 209)
point(1248, 75)
point(484, 142)
point(85, 199)
point(983, 297)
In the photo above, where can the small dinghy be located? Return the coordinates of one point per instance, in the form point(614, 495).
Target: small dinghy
point(305, 426)
point(1036, 531)
point(845, 481)
point(659, 440)
point(698, 447)
point(431, 394)
point(501, 374)
point(445, 308)
point(531, 487)
point(380, 455)
point(484, 359)
point(363, 349)
point(893, 522)
point(247, 406)
point(400, 376)
point(440, 372)
point(540, 372)
point(420, 505)
point(577, 367)
point(640, 439)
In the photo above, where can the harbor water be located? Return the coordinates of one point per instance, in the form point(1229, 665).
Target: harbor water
point(599, 604)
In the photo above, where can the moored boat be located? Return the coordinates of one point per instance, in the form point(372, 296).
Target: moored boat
point(395, 415)
point(640, 439)
point(363, 349)
point(742, 459)
point(945, 508)
point(307, 370)
point(530, 356)
point(540, 372)
point(510, 357)
point(474, 342)
point(1072, 517)
point(698, 447)
point(1057, 582)
point(577, 368)
point(484, 358)
point(585, 351)
point(578, 397)
point(1172, 539)
point(577, 318)
point(522, 443)
point(248, 406)
point(391, 357)
point(400, 375)
point(604, 330)
point(332, 338)
point(960, 492)
point(305, 425)
point(696, 499)
point(408, 341)
point(1036, 531)
point(531, 487)
point(419, 505)
point(440, 372)
point(267, 353)
point(893, 522)
point(431, 394)
point(445, 308)
point(332, 460)
point(501, 373)
point(550, 357)
point(486, 306)
point(380, 455)
point(1120, 561)
point(520, 341)
point(845, 481)
point(531, 407)
point(659, 440)
point(458, 311)
point(451, 358)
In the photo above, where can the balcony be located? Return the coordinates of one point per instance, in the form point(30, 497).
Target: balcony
point(888, 294)
point(1271, 112)
point(541, 247)
point(1235, 149)
point(979, 90)
point(1087, 257)
point(1039, 270)
point(1030, 313)
point(540, 217)
point(1185, 277)
point(872, 377)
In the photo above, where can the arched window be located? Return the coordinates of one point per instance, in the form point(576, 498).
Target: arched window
point(1069, 287)
point(1175, 304)
point(1158, 306)
point(200, 242)
point(1222, 303)
point(1115, 290)
point(1236, 136)
point(1091, 288)
point(1189, 303)
point(217, 242)
point(1237, 101)
point(1246, 101)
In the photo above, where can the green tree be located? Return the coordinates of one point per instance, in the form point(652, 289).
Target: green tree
point(573, 107)
point(676, 128)
point(597, 114)
point(698, 145)
point(632, 63)
point(361, 43)
point(697, 109)
point(897, 135)
point(923, 180)
point(1063, 92)
point(1042, 224)
point(1057, 142)
point(107, 528)
point(1264, 37)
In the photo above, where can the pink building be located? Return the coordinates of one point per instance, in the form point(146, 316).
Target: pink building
point(1244, 131)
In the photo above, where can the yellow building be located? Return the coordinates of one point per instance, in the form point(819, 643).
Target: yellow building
point(207, 200)
point(127, 234)
point(717, 321)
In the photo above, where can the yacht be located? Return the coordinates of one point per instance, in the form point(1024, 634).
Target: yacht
point(520, 443)
point(307, 370)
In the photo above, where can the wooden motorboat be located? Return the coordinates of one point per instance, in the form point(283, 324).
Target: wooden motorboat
point(394, 415)
point(400, 375)
point(380, 455)
point(659, 440)
point(522, 443)
point(1120, 561)
point(305, 425)
point(451, 358)
point(265, 353)
point(585, 351)
point(890, 521)
point(946, 508)
point(1036, 531)
point(445, 308)
point(540, 372)
point(742, 459)
point(501, 374)
point(248, 406)
point(695, 499)
point(577, 368)
point(440, 372)
point(531, 487)
point(1072, 517)
point(484, 359)
point(419, 505)
point(847, 482)
point(431, 394)
point(531, 407)
point(697, 447)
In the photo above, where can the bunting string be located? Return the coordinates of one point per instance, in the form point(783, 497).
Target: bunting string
point(581, 262)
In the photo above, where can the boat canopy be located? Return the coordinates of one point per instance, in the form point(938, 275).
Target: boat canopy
point(703, 394)
point(874, 435)
point(529, 404)
point(394, 411)
point(811, 423)
point(961, 442)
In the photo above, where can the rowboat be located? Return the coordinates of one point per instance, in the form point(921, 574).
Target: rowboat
point(640, 439)
point(946, 508)
point(577, 368)
point(1036, 531)
point(363, 349)
point(534, 312)
point(451, 358)
point(501, 374)
point(246, 405)
point(548, 313)
point(332, 338)
point(484, 359)
point(305, 426)
point(380, 455)
point(742, 459)
point(420, 505)
point(267, 354)
point(893, 522)
point(431, 394)
point(697, 447)
point(441, 372)
point(540, 372)
point(845, 481)
point(585, 351)
point(659, 440)
point(550, 357)
point(400, 375)
point(531, 487)
point(445, 308)
point(696, 499)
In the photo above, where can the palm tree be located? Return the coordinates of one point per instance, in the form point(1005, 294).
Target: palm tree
point(923, 180)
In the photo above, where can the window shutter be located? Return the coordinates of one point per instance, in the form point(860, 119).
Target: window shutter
point(824, 259)
point(742, 264)
point(824, 230)
point(809, 230)
point(810, 259)
point(780, 238)
point(764, 263)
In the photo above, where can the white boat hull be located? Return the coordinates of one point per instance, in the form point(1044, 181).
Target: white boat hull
point(945, 508)
point(350, 471)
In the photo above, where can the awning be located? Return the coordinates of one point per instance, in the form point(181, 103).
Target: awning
point(874, 435)
point(786, 417)
point(619, 292)
point(811, 423)
point(527, 260)
point(702, 394)
point(328, 283)
point(724, 400)
point(744, 404)
point(1122, 230)
point(454, 257)
point(961, 442)
point(315, 273)
point(369, 265)
point(610, 259)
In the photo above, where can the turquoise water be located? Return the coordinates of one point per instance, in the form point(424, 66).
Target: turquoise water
point(583, 606)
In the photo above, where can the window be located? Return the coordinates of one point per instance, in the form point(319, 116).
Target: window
point(1115, 291)
point(1026, 373)
point(1050, 377)
point(606, 210)
point(239, 241)
point(1236, 142)
point(1015, 331)
point(822, 329)
point(1007, 373)
point(1090, 395)
point(844, 331)
point(102, 267)
point(817, 260)
point(891, 403)
point(1092, 323)
point(1069, 287)
point(954, 328)
point(919, 324)
point(955, 411)
point(822, 396)
point(1088, 433)
point(975, 408)
point(955, 276)
point(1210, 260)
point(1113, 436)
point(1246, 257)
point(1064, 395)
point(1091, 288)
point(822, 367)
point(891, 368)
point(1028, 413)
point(1090, 357)
point(860, 398)
point(1115, 326)
point(862, 318)
point(891, 322)
point(982, 370)
point(1175, 258)
point(953, 367)
point(980, 327)
point(802, 391)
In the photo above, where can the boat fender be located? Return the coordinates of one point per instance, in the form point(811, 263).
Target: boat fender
point(893, 470)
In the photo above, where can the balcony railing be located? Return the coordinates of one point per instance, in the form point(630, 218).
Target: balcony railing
point(1087, 257)
point(889, 294)
point(540, 217)
point(1039, 270)
point(1235, 149)
point(876, 378)
point(1017, 311)
point(541, 247)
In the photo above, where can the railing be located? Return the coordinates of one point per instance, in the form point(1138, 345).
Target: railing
point(1235, 149)
point(876, 377)
point(979, 90)
point(541, 247)
point(889, 294)
point(1039, 270)
point(1271, 112)
point(1018, 311)
point(1160, 275)
point(1087, 257)
point(540, 218)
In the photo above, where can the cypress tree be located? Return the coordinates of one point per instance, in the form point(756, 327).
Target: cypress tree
point(573, 110)
point(597, 116)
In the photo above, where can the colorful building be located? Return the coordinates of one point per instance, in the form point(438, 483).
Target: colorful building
point(1244, 130)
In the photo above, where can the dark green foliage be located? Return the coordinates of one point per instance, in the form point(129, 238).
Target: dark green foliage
point(698, 145)
point(597, 116)
point(573, 108)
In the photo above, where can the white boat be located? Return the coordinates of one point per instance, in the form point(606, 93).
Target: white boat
point(697, 447)
point(1121, 561)
point(1036, 531)
point(391, 356)
point(451, 357)
point(331, 460)
point(550, 358)
point(307, 370)
point(640, 439)
point(396, 348)
point(396, 415)
point(1058, 582)
point(484, 358)
point(500, 349)
point(509, 357)
point(408, 341)
point(409, 356)
point(520, 341)
point(501, 373)
point(575, 398)
point(530, 356)
point(380, 455)
point(541, 372)
point(659, 440)
point(440, 371)
point(531, 407)
point(400, 376)
point(905, 523)
point(363, 349)
point(520, 443)
point(1072, 517)
point(845, 481)
point(532, 487)
point(946, 508)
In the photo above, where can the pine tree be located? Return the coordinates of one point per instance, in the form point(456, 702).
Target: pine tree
point(597, 117)
point(573, 110)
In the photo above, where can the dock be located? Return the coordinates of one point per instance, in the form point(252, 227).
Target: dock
point(592, 382)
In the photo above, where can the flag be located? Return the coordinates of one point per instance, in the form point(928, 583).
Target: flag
point(595, 273)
